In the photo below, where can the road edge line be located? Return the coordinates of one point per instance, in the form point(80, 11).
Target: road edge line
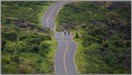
point(50, 15)
point(74, 53)
point(45, 13)
point(56, 15)
point(55, 56)
point(54, 19)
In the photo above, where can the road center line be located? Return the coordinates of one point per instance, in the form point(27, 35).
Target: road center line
point(64, 57)
point(50, 15)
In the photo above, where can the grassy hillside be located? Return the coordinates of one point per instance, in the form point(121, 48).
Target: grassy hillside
point(27, 48)
point(102, 32)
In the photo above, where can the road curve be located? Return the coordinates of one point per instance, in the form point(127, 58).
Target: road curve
point(64, 57)
point(70, 57)
point(49, 16)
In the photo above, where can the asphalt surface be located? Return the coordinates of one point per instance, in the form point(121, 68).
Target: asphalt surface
point(64, 57)
point(49, 16)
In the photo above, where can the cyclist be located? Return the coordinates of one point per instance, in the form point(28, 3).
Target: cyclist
point(64, 32)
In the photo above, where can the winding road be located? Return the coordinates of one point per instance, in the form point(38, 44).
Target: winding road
point(64, 58)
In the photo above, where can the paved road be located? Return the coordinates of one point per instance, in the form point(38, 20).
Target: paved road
point(64, 57)
point(48, 17)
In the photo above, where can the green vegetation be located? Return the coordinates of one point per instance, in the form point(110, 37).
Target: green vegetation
point(77, 36)
point(27, 48)
point(102, 32)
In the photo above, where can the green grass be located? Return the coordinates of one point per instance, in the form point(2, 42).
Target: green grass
point(53, 48)
point(47, 63)
point(79, 60)
point(31, 56)
point(44, 66)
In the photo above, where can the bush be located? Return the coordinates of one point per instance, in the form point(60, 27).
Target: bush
point(12, 36)
point(44, 48)
point(39, 61)
point(76, 36)
point(6, 60)
point(10, 68)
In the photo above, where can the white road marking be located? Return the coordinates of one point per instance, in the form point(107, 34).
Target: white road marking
point(74, 53)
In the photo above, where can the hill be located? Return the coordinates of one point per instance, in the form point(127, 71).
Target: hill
point(102, 32)
point(27, 48)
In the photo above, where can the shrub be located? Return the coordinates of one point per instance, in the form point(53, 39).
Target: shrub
point(76, 36)
point(12, 36)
